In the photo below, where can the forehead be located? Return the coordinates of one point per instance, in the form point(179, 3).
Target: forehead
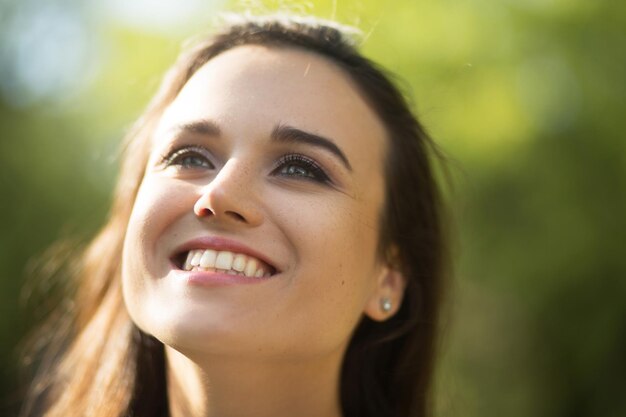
point(250, 89)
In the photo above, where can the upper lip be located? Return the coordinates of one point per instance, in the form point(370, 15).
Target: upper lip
point(222, 244)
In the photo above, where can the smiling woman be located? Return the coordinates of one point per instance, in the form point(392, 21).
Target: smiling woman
point(275, 247)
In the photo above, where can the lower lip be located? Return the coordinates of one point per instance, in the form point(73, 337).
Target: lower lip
point(214, 279)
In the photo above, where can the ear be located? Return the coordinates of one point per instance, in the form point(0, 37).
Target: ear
point(387, 295)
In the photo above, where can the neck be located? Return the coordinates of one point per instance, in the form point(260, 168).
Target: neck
point(231, 387)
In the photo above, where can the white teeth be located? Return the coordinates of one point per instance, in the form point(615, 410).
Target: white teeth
point(239, 263)
point(187, 266)
point(224, 260)
point(251, 267)
point(208, 259)
point(195, 261)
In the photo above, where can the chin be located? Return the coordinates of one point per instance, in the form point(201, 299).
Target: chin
point(191, 328)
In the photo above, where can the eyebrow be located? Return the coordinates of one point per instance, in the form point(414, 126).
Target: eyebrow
point(202, 127)
point(289, 134)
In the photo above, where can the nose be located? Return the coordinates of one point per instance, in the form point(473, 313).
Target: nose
point(231, 196)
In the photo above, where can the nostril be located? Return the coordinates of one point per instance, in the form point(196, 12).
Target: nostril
point(203, 212)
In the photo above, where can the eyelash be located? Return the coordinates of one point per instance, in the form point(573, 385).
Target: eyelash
point(311, 171)
point(314, 171)
point(176, 157)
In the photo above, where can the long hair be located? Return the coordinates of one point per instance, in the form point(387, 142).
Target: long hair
point(106, 367)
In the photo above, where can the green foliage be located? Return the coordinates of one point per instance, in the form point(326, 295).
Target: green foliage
point(527, 99)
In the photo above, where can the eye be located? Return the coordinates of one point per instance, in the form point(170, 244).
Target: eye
point(188, 157)
point(300, 166)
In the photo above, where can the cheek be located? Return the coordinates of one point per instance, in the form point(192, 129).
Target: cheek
point(159, 203)
point(335, 241)
point(156, 208)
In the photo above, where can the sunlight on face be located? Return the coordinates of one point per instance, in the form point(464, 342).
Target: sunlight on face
point(268, 169)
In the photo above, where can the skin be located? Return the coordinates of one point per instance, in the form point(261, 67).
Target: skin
point(275, 347)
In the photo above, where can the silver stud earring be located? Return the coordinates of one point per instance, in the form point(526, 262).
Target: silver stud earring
point(385, 304)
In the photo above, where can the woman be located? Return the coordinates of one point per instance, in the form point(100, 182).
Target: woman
point(275, 245)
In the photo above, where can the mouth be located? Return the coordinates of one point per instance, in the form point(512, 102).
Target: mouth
point(226, 262)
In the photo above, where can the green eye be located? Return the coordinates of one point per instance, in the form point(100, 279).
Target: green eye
point(189, 157)
point(300, 166)
point(192, 161)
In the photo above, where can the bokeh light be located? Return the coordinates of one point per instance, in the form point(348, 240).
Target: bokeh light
point(527, 98)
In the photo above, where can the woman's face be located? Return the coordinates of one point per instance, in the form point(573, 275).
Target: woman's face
point(268, 165)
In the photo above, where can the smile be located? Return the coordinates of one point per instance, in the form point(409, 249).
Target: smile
point(228, 262)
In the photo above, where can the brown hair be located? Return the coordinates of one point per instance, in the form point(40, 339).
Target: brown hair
point(106, 367)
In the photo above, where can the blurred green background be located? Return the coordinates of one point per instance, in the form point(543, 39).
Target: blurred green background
point(527, 97)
